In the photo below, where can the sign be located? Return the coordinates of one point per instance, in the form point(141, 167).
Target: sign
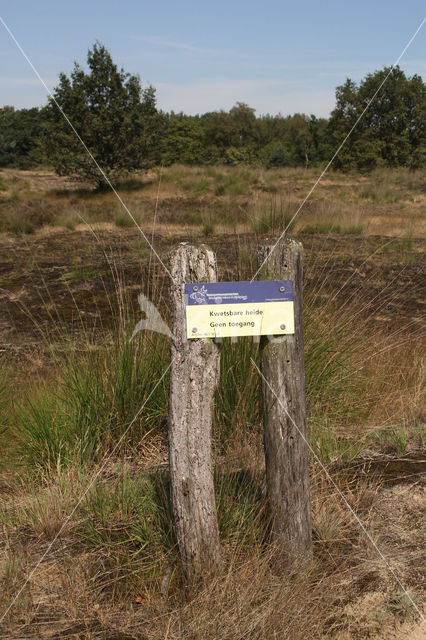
point(221, 309)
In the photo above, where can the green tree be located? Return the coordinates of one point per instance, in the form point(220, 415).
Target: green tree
point(392, 130)
point(299, 139)
point(232, 137)
point(244, 120)
point(116, 119)
point(320, 150)
point(220, 131)
point(20, 132)
point(183, 140)
point(274, 155)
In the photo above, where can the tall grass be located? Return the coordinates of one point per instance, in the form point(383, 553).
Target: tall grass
point(242, 515)
point(80, 417)
point(271, 217)
point(4, 401)
point(237, 405)
point(114, 571)
point(127, 524)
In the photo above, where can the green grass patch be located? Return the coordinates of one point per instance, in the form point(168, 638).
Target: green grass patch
point(127, 522)
point(271, 218)
point(397, 439)
point(233, 183)
point(406, 244)
point(237, 405)
point(200, 187)
point(404, 250)
point(5, 397)
point(21, 225)
point(79, 273)
point(208, 229)
point(237, 189)
point(355, 230)
point(220, 190)
point(335, 381)
point(328, 227)
point(242, 516)
point(87, 410)
point(330, 445)
point(123, 220)
point(382, 193)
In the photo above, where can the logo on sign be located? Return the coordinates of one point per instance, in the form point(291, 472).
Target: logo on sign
point(200, 296)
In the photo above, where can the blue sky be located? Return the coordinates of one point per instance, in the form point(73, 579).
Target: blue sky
point(279, 57)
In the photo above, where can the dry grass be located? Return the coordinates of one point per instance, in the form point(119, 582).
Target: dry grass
point(80, 593)
point(113, 571)
point(386, 202)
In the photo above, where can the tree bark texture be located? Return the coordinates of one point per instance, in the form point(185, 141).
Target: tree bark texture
point(194, 376)
point(286, 451)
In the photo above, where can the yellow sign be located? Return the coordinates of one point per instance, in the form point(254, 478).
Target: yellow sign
point(222, 309)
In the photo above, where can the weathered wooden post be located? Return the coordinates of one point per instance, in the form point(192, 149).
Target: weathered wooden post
point(194, 375)
point(286, 450)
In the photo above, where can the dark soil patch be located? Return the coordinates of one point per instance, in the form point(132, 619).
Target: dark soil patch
point(71, 282)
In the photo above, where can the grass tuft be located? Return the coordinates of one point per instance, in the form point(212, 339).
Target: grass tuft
point(90, 407)
point(123, 220)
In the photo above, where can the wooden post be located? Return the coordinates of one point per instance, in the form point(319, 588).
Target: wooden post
point(286, 451)
point(194, 375)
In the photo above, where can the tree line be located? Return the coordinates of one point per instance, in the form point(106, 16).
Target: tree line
point(119, 122)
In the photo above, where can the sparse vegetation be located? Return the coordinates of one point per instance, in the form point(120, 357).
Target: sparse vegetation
point(75, 464)
point(123, 220)
point(251, 199)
